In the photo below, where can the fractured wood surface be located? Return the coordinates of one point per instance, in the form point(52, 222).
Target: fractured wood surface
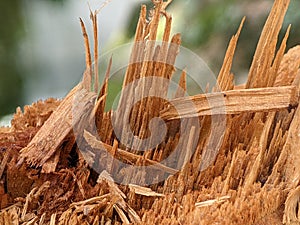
point(245, 171)
point(45, 143)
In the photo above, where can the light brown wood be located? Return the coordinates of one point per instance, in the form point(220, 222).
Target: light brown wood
point(244, 172)
point(124, 155)
point(261, 68)
point(45, 143)
point(232, 102)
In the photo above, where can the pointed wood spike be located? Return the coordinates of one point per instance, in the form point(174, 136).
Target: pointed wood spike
point(102, 97)
point(137, 49)
point(87, 76)
point(266, 46)
point(173, 51)
point(104, 89)
point(96, 51)
point(278, 59)
point(182, 85)
point(225, 80)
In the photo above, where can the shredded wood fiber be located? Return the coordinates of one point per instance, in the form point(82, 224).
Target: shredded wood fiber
point(252, 178)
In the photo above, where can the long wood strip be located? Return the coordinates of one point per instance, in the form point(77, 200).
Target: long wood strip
point(232, 102)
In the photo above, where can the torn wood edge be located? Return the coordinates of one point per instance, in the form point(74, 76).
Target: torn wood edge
point(125, 155)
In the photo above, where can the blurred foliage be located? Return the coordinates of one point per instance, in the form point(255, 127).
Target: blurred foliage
point(11, 31)
point(11, 72)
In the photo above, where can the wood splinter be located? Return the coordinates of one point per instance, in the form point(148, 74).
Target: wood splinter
point(232, 102)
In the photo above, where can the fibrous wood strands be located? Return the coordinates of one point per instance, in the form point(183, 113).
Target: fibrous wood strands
point(71, 162)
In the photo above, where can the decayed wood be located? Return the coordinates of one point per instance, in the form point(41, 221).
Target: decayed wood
point(233, 102)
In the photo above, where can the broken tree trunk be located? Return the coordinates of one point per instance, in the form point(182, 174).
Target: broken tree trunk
point(233, 161)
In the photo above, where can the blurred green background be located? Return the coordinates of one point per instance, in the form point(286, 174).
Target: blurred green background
point(11, 33)
point(41, 48)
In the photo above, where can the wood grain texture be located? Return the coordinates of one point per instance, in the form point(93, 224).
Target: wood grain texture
point(232, 102)
point(47, 140)
point(243, 172)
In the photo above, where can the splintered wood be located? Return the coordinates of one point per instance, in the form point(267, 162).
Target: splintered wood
point(234, 102)
point(226, 157)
